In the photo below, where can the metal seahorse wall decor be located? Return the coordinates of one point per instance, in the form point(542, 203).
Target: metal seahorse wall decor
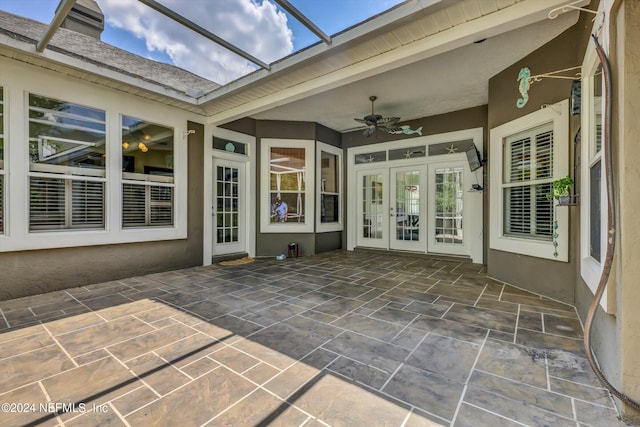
point(523, 78)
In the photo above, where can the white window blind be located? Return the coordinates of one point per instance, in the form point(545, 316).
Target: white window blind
point(528, 176)
point(1, 204)
point(64, 203)
point(160, 205)
point(87, 209)
point(46, 203)
point(146, 205)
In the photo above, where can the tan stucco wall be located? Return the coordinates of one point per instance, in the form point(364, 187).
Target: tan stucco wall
point(626, 65)
point(551, 278)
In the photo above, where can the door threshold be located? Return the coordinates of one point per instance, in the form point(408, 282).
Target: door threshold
point(440, 256)
point(228, 257)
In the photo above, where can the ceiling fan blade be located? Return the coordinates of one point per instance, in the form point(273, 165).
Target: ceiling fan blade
point(373, 118)
point(391, 129)
point(388, 120)
point(369, 131)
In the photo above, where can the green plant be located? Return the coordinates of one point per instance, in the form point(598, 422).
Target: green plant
point(561, 187)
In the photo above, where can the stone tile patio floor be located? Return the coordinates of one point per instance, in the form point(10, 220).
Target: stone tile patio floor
point(342, 338)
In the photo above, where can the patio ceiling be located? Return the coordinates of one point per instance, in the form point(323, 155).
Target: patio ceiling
point(449, 81)
point(422, 57)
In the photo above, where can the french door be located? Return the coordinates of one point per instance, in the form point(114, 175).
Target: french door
point(413, 208)
point(392, 208)
point(446, 213)
point(408, 202)
point(373, 209)
point(229, 219)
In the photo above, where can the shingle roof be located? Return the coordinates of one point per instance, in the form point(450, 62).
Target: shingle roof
point(106, 56)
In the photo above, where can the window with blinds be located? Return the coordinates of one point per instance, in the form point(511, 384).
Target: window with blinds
point(67, 161)
point(64, 203)
point(1, 204)
point(1, 160)
point(147, 174)
point(146, 205)
point(527, 179)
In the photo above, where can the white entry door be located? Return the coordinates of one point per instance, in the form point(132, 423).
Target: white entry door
point(373, 209)
point(418, 195)
point(392, 208)
point(448, 183)
point(229, 213)
point(408, 196)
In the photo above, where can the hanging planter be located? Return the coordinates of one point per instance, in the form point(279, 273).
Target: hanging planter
point(564, 200)
point(561, 191)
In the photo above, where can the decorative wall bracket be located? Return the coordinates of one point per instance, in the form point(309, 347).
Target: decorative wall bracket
point(553, 13)
point(526, 79)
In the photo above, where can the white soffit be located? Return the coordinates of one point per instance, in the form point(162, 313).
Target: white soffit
point(373, 48)
point(451, 81)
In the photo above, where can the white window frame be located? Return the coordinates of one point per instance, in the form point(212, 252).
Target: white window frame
point(67, 174)
point(332, 226)
point(148, 182)
point(558, 115)
point(3, 176)
point(20, 80)
point(264, 210)
point(590, 268)
point(250, 182)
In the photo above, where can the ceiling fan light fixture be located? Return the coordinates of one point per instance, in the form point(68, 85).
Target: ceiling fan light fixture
point(386, 124)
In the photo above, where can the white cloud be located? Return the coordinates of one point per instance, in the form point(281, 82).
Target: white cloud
point(253, 26)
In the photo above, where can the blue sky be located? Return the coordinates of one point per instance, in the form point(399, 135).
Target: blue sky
point(258, 26)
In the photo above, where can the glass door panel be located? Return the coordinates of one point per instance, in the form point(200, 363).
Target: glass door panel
point(372, 209)
point(408, 196)
point(228, 235)
point(447, 183)
point(449, 206)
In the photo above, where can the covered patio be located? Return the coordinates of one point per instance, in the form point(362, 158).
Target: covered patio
point(342, 338)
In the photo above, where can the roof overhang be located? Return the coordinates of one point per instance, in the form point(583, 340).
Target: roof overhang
point(411, 32)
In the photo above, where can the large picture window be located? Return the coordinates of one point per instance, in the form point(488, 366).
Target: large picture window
point(287, 173)
point(329, 196)
point(66, 165)
point(287, 182)
point(527, 179)
point(530, 152)
point(593, 190)
point(147, 174)
point(67, 178)
point(594, 142)
point(2, 184)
